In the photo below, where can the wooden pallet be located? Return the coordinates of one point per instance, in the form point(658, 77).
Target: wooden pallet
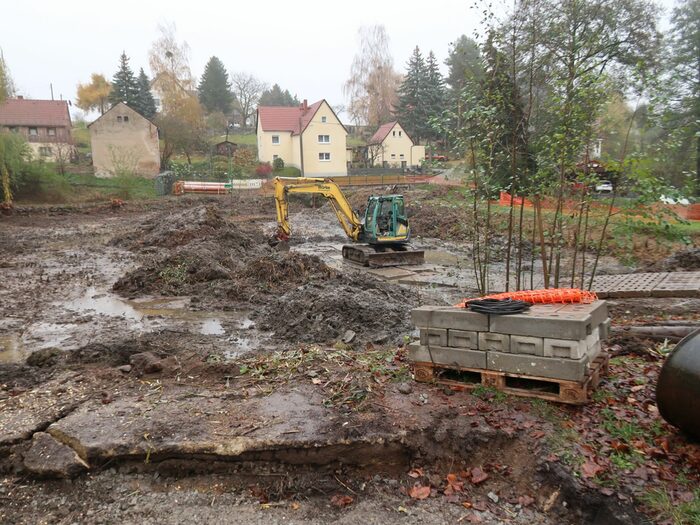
point(559, 390)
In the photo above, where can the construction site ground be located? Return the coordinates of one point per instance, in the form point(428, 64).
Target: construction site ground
point(161, 363)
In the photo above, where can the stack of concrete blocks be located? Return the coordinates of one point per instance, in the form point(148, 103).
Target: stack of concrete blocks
point(557, 341)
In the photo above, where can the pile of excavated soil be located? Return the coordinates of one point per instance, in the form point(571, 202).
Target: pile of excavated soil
point(683, 261)
point(322, 312)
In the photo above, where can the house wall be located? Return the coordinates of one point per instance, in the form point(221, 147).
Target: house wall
point(43, 145)
point(124, 147)
point(267, 150)
point(398, 147)
point(337, 166)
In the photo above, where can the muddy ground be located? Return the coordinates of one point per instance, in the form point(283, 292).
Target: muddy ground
point(167, 365)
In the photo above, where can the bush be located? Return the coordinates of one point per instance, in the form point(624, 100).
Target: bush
point(263, 170)
point(278, 164)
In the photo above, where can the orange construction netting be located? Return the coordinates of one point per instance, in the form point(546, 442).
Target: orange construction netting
point(544, 296)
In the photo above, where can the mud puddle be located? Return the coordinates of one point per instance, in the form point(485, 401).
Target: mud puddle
point(11, 350)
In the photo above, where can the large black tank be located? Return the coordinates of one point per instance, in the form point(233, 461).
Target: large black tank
point(678, 388)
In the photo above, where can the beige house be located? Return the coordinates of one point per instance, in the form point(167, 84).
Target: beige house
point(391, 147)
point(124, 143)
point(308, 137)
point(45, 124)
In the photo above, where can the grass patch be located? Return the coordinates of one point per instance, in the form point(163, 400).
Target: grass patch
point(664, 507)
point(246, 139)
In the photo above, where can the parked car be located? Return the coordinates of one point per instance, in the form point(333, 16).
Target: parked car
point(604, 186)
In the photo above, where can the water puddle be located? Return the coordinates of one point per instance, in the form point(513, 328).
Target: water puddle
point(148, 311)
point(441, 258)
point(11, 350)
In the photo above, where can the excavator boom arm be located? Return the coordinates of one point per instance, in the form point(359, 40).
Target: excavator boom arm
point(347, 217)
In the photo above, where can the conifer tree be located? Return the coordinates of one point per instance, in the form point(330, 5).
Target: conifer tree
point(145, 104)
point(434, 96)
point(125, 87)
point(215, 88)
point(410, 110)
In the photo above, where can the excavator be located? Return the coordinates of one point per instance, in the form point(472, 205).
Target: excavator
point(380, 240)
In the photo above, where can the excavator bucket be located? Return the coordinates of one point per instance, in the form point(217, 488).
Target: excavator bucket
point(378, 256)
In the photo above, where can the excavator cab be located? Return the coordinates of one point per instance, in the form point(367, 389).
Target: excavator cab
point(385, 220)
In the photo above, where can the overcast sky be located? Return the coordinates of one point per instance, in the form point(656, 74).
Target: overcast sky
point(306, 46)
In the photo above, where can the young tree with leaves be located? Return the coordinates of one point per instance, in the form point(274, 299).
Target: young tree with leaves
point(215, 88)
point(95, 95)
point(7, 87)
point(145, 103)
point(125, 87)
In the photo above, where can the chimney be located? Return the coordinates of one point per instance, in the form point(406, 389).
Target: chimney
point(20, 97)
point(305, 105)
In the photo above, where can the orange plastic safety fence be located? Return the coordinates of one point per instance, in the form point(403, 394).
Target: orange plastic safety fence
point(544, 296)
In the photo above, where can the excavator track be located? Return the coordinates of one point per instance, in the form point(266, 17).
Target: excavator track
point(378, 256)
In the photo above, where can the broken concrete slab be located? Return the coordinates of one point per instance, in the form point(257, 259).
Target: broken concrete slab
point(390, 273)
point(449, 317)
point(48, 458)
point(449, 357)
point(463, 339)
point(547, 367)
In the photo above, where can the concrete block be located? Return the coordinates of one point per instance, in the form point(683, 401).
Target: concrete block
point(433, 336)
point(565, 348)
point(448, 357)
point(593, 337)
point(463, 339)
point(536, 323)
point(449, 317)
point(522, 344)
point(605, 329)
point(548, 367)
point(598, 310)
point(493, 341)
point(594, 351)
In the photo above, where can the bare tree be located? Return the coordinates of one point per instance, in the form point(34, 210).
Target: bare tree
point(373, 82)
point(247, 90)
point(170, 67)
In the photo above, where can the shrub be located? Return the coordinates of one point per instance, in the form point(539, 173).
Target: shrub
point(263, 170)
point(278, 164)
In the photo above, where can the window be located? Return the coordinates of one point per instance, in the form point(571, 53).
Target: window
point(401, 156)
point(275, 157)
point(399, 133)
point(33, 132)
point(324, 156)
point(126, 119)
point(324, 139)
point(51, 132)
point(275, 139)
point(119, 118)
point(14, 129)
point(324, 119)
point(45, 151)
point(393, 155)
point(393, 133)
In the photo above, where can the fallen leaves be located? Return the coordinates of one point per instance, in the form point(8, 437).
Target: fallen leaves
point(419, 492)
point(478, 475)
point(590, 469)
point(341, 500)
point(453, 485)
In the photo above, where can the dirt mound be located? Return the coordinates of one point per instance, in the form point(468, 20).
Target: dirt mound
point(175, 229)
point(322, 312)
point(684, 261)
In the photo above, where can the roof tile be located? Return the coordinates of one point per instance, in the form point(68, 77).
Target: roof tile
point(24, 112)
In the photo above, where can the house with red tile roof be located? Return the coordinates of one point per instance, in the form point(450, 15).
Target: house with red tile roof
point(45, 124)
point(308, 137)
point(392, 147)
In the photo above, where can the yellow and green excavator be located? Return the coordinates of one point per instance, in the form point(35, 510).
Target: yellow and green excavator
point(380, 240)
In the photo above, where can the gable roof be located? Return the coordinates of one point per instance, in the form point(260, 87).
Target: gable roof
point(382, 132)
point(24, 112)
point(116, 106)
point(291, 119)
